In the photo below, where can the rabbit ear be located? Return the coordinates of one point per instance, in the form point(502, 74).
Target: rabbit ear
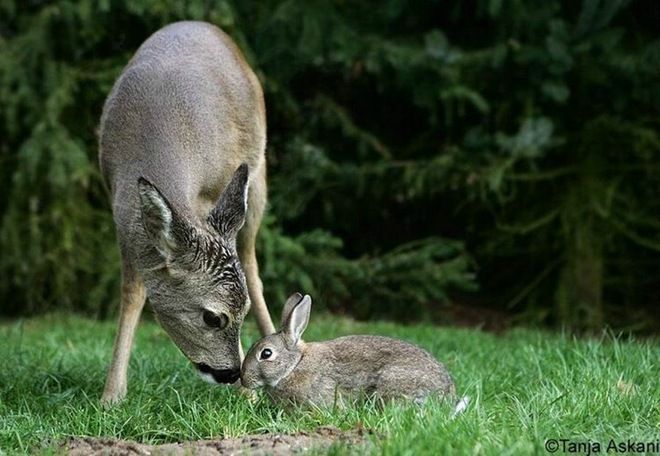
point(289, 304)
point(297, 320)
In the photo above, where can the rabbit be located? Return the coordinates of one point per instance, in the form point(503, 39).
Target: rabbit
point(323, 373)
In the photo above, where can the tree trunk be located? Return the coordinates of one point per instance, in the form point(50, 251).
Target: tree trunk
point(579, 298)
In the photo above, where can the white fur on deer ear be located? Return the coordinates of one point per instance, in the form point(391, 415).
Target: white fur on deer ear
point(158, 218)
point(296, 321)
point(228, 216)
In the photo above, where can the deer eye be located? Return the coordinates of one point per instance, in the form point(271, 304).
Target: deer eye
point(214, 320)
point(266, 353)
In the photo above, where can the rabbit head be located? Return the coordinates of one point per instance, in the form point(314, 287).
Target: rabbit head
point(275, 356)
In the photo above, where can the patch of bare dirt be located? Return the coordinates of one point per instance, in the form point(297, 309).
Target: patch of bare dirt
point(255, 444)
point(474, 316)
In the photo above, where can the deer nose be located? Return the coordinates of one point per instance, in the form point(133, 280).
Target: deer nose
point(220, 375)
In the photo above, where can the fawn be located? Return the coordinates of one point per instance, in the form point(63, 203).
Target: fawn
point(182, 150)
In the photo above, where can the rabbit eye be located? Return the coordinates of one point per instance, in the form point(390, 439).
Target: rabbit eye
point(266, 353)
point(214, 320)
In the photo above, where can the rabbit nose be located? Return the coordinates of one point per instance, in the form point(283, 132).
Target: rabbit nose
point(220, 375)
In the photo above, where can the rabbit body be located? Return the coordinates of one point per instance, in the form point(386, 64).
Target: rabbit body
point(362, 366)
point(351, 367)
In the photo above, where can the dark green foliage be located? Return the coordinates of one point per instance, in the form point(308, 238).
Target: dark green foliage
point(398, 132)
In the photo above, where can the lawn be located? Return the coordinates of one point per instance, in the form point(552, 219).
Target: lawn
point(526, 386)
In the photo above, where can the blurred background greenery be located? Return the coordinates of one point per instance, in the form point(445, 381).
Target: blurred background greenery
point(427, 159)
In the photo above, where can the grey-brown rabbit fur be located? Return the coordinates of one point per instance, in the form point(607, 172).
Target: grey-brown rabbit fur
point(320, 373)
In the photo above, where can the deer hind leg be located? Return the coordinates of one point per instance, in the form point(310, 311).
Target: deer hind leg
point(133, 296)
point(247, 253)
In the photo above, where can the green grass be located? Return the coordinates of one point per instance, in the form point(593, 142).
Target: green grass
point(525, 386)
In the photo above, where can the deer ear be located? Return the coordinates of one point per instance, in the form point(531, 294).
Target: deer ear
point(297, 320)
point(228, 216)
point(162, 225)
